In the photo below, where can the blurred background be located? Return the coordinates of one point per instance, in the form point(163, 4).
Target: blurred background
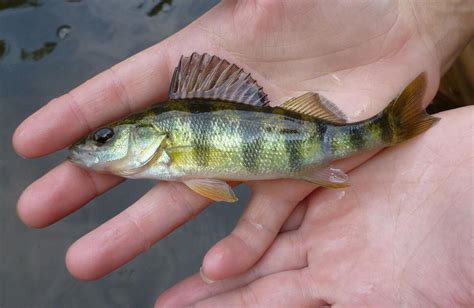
point(49, 47)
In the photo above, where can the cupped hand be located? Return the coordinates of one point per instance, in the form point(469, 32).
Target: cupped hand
point(360, 55)
point(401, 236)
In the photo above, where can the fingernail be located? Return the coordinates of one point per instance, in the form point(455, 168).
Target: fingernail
point(204, 277)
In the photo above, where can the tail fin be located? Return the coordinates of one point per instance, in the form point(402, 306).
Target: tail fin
point(405, 114)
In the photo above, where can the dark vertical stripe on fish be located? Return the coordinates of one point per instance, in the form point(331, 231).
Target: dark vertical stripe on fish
point(293, 146)
point(201, 130)
point(387, 129)
point(356, 133)
point(252, 145)
point(293, 149)
point(325, 140)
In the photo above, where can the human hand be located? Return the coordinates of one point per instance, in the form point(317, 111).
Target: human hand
point(306, 47)
point(400, 236)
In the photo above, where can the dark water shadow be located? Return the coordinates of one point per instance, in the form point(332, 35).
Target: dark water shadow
point(39, 53)
point(12, 4)
point(157, 8)
point(3, 49)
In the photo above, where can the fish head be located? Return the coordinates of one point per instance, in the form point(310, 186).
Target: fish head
point(121, 148)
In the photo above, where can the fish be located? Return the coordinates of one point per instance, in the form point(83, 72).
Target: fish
point(218, 126)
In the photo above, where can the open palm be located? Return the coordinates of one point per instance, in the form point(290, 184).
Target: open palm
point(400, 236)
point(360, 55)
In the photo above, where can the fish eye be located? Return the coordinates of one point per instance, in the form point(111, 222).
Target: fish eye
point(102, 135)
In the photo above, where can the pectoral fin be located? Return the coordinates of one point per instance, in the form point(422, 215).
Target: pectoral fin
point(328, 177)
point(216, 190)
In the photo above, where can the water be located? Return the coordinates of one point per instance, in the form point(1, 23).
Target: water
point(47, 48)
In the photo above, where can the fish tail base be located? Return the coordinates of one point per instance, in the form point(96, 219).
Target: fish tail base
point(405, 115)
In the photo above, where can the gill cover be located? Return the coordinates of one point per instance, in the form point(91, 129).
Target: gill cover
point(144, 146)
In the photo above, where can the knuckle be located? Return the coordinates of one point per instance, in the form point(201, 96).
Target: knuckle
point(77, 110)
point(118, 88)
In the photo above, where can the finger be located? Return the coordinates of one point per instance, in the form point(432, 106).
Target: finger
point(296, 218)
point(60, 192)
point(284, 289)
point(269, 207)
point(286, 253)
point(164, 208)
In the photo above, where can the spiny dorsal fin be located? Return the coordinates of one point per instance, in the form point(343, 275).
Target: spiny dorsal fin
point(210, 77)
point(317, 106)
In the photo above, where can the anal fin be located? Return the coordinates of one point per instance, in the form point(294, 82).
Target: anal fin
point(328, 177)
point(213, 189)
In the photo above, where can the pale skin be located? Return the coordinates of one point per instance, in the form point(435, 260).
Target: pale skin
point(400, 235)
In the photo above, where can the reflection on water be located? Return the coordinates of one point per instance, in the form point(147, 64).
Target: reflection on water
point(39, 53)
point(11, 4)
point(48, 47)
point(63, 31)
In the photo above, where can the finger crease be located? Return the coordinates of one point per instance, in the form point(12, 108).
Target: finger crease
point(254, 273)
point(297, 245)
point(76, 110)
point(249, 298)
point(255, 250)
point(304, 283)
point(120, 90)
point(259, 227)
point(310, 284)
point(142, 235)
point(90, 178)
point(282, 200)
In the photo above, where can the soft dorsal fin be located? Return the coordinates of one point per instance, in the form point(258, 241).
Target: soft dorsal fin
point(317, 106)
point(210, 77)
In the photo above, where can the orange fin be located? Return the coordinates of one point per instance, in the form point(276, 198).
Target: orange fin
point(210, 77)
point(317, 106)
point(216, 190)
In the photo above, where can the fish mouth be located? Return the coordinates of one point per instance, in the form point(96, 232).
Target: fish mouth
point(82, 158)
point(75, 157)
